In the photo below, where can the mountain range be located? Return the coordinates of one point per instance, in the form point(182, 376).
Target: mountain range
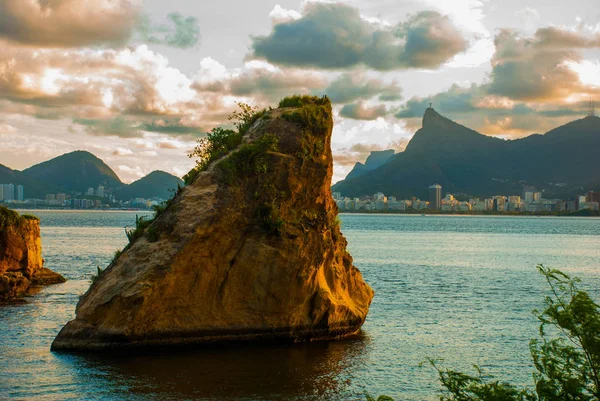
point(75, 172)
point(561, 163)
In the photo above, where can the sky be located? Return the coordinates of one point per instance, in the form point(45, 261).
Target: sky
point(138, 82)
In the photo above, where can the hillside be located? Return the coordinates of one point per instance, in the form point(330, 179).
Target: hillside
point(375, 160)
point(465, 161)
point(156, 184)
point(75, 172)
point(34, 188)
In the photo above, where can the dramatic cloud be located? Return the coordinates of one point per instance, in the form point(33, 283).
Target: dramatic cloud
point(113, 91)
point(68, 23)
point(257, 79)
point(183, 32)
point(531, 70)
point(532, 79)
point(362, 111)
point(335, 36)
point(556, 38)
point(350, 87)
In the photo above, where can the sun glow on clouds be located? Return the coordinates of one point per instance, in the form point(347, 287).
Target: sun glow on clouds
point(588, 71)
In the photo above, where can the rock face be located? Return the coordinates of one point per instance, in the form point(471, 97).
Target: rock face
point(21, 263)
point(251, 250)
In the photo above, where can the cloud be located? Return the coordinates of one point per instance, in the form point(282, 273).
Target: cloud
point(280, 15)
point(554, 37)
point(183, 33)
point(335, 36)
point(257, 79)
point(118, 126)
point(457, 99)
point(531, 70)
point(101, 85)
point(535, 83)
point(122, 152)
point(362, 111)
point(469, 17)
point(171, 126)
point(353, 86)
point(68, 23)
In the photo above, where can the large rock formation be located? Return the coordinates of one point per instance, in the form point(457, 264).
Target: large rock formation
point(21, 263)
point(251, 250)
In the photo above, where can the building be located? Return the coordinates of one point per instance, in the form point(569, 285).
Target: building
point(435, 197)
point(588, 205)
point(100, 191)
point(90, 192)
point(20, 193)
point(593, 197)
point(8, 192)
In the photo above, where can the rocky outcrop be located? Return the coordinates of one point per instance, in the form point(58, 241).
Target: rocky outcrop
point(21, 263)
point(250, 250)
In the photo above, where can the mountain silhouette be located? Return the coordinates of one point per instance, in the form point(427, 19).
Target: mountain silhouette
point(561, 162)
point(75, 172)
point(156, 184)
point(376, 159)
point(34, 188)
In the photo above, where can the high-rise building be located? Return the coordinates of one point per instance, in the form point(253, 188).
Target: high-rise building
point(435, 197)
point(9, 192)
point(593, 197)
point(90, 192)
point(20, 193)
point(100, 191)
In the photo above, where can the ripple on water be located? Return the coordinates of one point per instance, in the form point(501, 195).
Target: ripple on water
point(456, 288)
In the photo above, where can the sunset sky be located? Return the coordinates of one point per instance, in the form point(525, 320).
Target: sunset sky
point(136, 82)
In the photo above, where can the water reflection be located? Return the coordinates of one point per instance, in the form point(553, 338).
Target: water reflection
point(321, 370)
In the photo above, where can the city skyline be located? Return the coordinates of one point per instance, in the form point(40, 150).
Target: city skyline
point(531, 201)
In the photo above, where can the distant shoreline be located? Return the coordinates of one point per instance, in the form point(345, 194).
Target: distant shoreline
point(26, 209)
point(581, 213)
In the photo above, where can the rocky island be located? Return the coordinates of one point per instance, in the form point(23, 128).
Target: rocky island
point(21, 263)
point(250, 249)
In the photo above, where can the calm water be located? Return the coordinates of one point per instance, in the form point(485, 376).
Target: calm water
point(457, 288)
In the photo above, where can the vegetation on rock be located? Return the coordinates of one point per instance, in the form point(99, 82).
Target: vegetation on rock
point(220, 140)
point(8, 218)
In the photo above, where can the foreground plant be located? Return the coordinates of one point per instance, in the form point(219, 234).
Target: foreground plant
point(566, 367)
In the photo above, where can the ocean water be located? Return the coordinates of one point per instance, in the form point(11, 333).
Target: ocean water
point(457, 288)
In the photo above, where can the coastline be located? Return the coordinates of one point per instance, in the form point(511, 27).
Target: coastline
point(583, 213)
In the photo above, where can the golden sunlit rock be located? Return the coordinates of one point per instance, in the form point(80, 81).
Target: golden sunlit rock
point(250, 250)
point(21, 263)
